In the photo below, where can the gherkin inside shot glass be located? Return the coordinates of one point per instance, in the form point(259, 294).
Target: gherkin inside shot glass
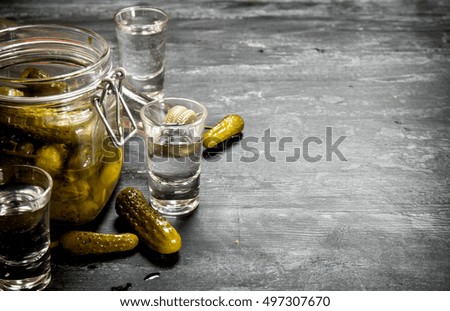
point(141, 37)
point(173, 134)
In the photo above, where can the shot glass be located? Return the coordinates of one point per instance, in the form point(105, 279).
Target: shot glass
point(24, 228)
point(141, 36)
point(173, 156)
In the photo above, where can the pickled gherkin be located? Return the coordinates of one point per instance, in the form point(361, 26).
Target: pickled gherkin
point(77, 212)
point(33, 73)
point(70, 192)
point(81, 158)
point(82, 162)
point(151, 227)
point(44, 122)
point(94, 243)
point(110, 173)
point(42, 88)
point(230, 125)
point(51, 158)
point(9, 91)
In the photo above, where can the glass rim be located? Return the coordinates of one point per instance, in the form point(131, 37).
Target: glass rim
point(145, 119)
point(135, 8)
point(103, 59)
point(51, 27)
point(15, 167)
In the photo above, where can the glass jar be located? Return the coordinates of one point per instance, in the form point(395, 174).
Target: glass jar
point(61, 110)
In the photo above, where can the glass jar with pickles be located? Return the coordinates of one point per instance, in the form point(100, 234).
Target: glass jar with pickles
point(61, 110)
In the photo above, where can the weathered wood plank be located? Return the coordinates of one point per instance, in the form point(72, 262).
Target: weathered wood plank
point(375, 72)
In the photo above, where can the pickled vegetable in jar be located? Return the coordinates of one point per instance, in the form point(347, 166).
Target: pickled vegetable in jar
point(60, 110)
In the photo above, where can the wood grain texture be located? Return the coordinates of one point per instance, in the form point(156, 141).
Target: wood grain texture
point(375, 72)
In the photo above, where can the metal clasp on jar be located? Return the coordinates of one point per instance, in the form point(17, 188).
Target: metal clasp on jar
point(112, 86)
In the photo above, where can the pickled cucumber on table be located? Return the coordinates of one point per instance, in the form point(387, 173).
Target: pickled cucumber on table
point(151, 227)
point(230, 125)
point(42, 88)
point(93, 243)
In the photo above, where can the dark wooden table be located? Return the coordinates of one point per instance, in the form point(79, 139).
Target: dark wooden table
point(373, 217)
